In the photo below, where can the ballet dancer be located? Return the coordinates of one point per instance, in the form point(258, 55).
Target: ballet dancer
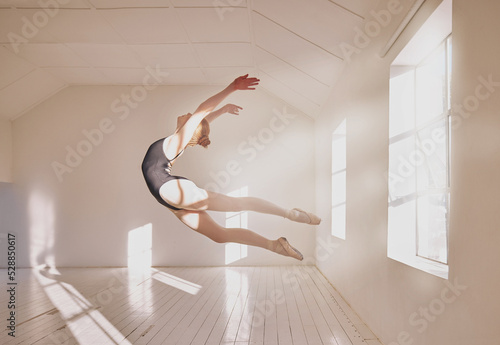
point(188, 202)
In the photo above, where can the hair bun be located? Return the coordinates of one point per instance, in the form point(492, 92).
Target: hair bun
point(204, 141)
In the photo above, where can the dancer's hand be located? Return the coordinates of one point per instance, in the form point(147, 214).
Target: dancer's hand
point(245, 83)
point(232, 109)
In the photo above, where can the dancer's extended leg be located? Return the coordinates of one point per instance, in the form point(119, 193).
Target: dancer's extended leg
point(221, 202)
point(186, 195)
point(224, 203)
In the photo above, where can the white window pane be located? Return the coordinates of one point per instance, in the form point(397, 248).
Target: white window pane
point(431, 87)
point(339, 154)
point(402, 103)
point(449, 52)
point(401, 229)
point(402, 168)
point(338, 221)
point(432, 172)
point(338, 188)
point(432, 227)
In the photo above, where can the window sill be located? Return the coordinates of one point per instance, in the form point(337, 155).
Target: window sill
point(432, 267)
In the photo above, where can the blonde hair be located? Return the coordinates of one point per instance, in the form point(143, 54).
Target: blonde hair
point(200, 136)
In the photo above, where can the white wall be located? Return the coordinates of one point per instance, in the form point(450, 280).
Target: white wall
point(83, 217)
point(5, 151)
point(13, 220)
point(387, 293)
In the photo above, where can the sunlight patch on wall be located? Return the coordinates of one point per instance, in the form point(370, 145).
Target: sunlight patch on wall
point(41, 232)
point(236, 251)
point(140, 242)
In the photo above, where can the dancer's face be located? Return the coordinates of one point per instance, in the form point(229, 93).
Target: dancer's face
point(181, 120)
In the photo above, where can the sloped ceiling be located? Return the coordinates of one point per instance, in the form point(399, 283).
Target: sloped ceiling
point(292, 45)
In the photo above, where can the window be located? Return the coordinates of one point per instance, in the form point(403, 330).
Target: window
point(339, 181)
point(419, 158)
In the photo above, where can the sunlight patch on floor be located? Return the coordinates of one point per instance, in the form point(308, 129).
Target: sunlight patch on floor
point(83, 321)
point(176, 282)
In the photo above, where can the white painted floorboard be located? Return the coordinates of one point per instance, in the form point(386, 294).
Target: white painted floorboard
point(285, 305)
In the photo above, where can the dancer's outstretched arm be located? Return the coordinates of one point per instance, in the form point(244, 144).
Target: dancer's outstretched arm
point(227, 109)
point(179, 140)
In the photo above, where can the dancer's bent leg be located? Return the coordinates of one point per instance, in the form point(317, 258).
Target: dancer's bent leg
point(201, 222)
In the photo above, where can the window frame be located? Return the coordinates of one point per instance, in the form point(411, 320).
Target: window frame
point(446, 116)
point(339, 141)
point(420, 261)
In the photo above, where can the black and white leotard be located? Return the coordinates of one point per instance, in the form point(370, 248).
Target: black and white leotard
point(156, 169)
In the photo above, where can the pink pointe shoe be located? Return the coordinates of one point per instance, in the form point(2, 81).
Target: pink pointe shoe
point(313, 219)
point(289, 250)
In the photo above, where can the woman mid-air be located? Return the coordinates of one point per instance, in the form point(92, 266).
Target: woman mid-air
point(189, 202)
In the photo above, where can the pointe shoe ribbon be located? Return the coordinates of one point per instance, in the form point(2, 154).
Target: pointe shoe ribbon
point(313, 219)
point(290, 251)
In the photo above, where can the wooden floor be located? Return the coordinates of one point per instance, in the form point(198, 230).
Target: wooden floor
point(179, 305)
